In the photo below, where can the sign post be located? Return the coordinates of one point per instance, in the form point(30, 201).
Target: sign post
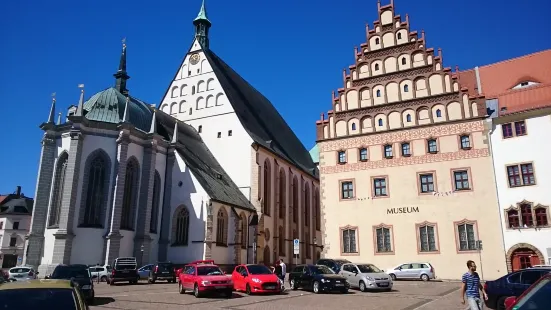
point(296, 249)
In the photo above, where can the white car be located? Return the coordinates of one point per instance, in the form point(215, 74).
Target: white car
point(21, 273)
point(100, 272)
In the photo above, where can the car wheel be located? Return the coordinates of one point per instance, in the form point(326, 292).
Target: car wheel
point(181, 289)
point(196, 292)
point(425, 277)
point(103, 279)
point(362, 286)
point(393, 277)
point(501, 303)
point(294, 285)
point(248, 289)
point(316, 287)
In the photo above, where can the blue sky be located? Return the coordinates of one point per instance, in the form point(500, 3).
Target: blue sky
point(292, 51)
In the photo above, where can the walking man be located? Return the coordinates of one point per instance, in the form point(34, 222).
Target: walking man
point(471, 287)
point(283, 272)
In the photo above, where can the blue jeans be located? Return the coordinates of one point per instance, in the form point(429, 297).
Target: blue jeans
point(475, 303)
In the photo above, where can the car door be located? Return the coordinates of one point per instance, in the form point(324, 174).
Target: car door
point(347, 271)
point(307, 276)
point(236, 277)
point(296, 275)
point(189, 276)
point(527, 278)
point(415, 271)
point(403, 272)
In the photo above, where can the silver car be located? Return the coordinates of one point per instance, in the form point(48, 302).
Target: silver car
point(366, 277)
point(423, 271)
point(21, 273)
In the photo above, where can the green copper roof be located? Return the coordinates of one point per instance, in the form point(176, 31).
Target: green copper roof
point(108, 106)
point(202, 13)
point(315, 154)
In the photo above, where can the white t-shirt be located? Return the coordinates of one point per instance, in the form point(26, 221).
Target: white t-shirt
point(283, 268)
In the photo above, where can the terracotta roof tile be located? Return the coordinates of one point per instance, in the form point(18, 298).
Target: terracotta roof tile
point(530, 98)
point(467, 79)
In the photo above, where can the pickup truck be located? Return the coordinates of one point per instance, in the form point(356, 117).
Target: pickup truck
point(124, 269)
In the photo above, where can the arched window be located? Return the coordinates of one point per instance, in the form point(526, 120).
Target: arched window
point(295, 200)
point(526, 214)
point(221, 227)
point(377, 41)
point(378, 93)
point(244, 231)
point(406, 88)
point(155, 203)
point(512, 217)
point(376, 67)
point(307, 245)
point(59, 184)
point(353, 126)
point(281, 241)
point(267, 195)
point(130, 194)
point(306, 205)
point(408, 118)
point(282, 194)
point(541, 216)
point(181, 226)
point(404, 61)
point(438, 113)
point(399, 36)
point(317, 213)
point(380, 122)
point(96, 187)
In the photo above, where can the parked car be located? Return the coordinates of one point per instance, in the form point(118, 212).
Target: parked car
point(334, 264)
point(124, 269)
point(79, 275)
point(100, 272)
point(366, 277)
point(255, 279)
point(143, 271)
point(423, 271)
point(21, 273)
point(162, 271)
point(512, 284)
point(41, 294)
point(318, 278)
point(535, 297)
point(203, 277)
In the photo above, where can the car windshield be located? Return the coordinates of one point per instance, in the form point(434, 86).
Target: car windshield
point(368, 268)
point(209, 271)
point(20, 270)
point(537, 297)
point(258, 269)
point(38, 298)
point(321, 270)
point(68, 272)
point(165, 267)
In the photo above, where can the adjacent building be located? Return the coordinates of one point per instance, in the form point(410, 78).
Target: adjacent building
point(406, 171)
point(15, 221)
point(519, 105)
point(254, 144)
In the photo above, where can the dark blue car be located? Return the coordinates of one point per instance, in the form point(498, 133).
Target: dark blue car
point(513, 284)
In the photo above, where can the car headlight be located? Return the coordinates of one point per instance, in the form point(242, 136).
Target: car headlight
point(85, 287)
point(255, 280)
point(369, 279)
point(205, 282)
point(323, 281)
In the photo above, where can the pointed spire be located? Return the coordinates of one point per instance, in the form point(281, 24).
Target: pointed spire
point(153, 128)
point(80, 106)
point(202, 13)
point(59, 118)
point(175, 134)
point(121, 76)
point(202, 26)
point(126, 116)
point(52, 110)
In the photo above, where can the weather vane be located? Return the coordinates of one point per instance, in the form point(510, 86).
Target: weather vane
point(81, 86)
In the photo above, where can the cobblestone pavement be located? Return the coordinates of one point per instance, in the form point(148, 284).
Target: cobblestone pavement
point(406, 295)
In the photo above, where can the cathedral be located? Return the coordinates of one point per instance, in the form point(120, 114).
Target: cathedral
point(213, 172)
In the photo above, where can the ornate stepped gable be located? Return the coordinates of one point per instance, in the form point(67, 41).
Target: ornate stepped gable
point(396, 82)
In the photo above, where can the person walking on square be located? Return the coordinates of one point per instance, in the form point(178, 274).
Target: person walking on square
point(471, 288)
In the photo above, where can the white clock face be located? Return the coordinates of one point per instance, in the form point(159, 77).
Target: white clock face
point(194, 59)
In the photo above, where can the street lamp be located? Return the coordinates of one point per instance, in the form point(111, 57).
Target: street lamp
point(141, 258)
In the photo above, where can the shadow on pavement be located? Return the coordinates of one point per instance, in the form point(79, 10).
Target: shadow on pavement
point(100, 301)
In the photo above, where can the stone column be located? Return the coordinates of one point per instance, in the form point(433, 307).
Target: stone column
point(164, 237)
point(35, 238)
point(146, 199)
point(64, 236)
point(113, 238)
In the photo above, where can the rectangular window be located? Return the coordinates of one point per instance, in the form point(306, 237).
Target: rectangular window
point(380, 187)
point(349, 241)
point(342, 157)
point(432, 146)
point(426, 182)
point(388, 151)
point(15, 225)
point(467, 239)
point(465, 141)
point(514, 129)
point(347, 190)
point(230, 133)
point(13, 241)
point(427, 238)
point(219, 135)
point(363, 154)
point(521, 175)
point(507, 130)
point(384, 243)
point(520, 128)
point(406, 149)
point(461, 180)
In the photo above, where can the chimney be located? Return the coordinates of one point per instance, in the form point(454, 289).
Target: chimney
point(18, 191)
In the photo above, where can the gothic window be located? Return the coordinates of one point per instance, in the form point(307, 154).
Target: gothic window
point(408, 117)
point(155, 203)
point(380, 122)
point(513, 219)
point(438, 113)
point(267, 187)
point(399, 36)
point(130, 193)
point(378, 93)
point(221, 227)
point(353, 126)
point(377, 41)
point(383, 240)
point(406, 88)
point(96, 190)
point(306, 206)
point(181, 226)
point(349, 244)
point(244, 231)
point(59, 184)
point(404, 61)
point(541, 216)
point(467, 239)
point(526, 214)
point(281, 241)
point(295, 200)
point(427, 238)
point(282, 194)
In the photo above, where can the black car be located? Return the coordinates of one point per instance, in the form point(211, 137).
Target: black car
point(124, 269)
point(513, 284)
point(162, 271)
point(334, 264)
point(79, 275)
point(317, 278)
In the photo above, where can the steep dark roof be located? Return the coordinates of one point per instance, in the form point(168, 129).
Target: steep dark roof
point(12, 204)
point(259, 117)
point(204, 166)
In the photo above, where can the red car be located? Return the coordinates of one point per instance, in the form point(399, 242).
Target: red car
point(255, 279)
point(535, 297)
point(202, 277)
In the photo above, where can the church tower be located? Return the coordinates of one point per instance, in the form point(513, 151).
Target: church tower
point(202, 26)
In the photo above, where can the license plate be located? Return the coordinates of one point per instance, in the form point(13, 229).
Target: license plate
point(270, 287)
point(165, 272)
point(18, 276)
point(383, 284)
point(125, 271)
point(339, 284)
point(219, 287)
